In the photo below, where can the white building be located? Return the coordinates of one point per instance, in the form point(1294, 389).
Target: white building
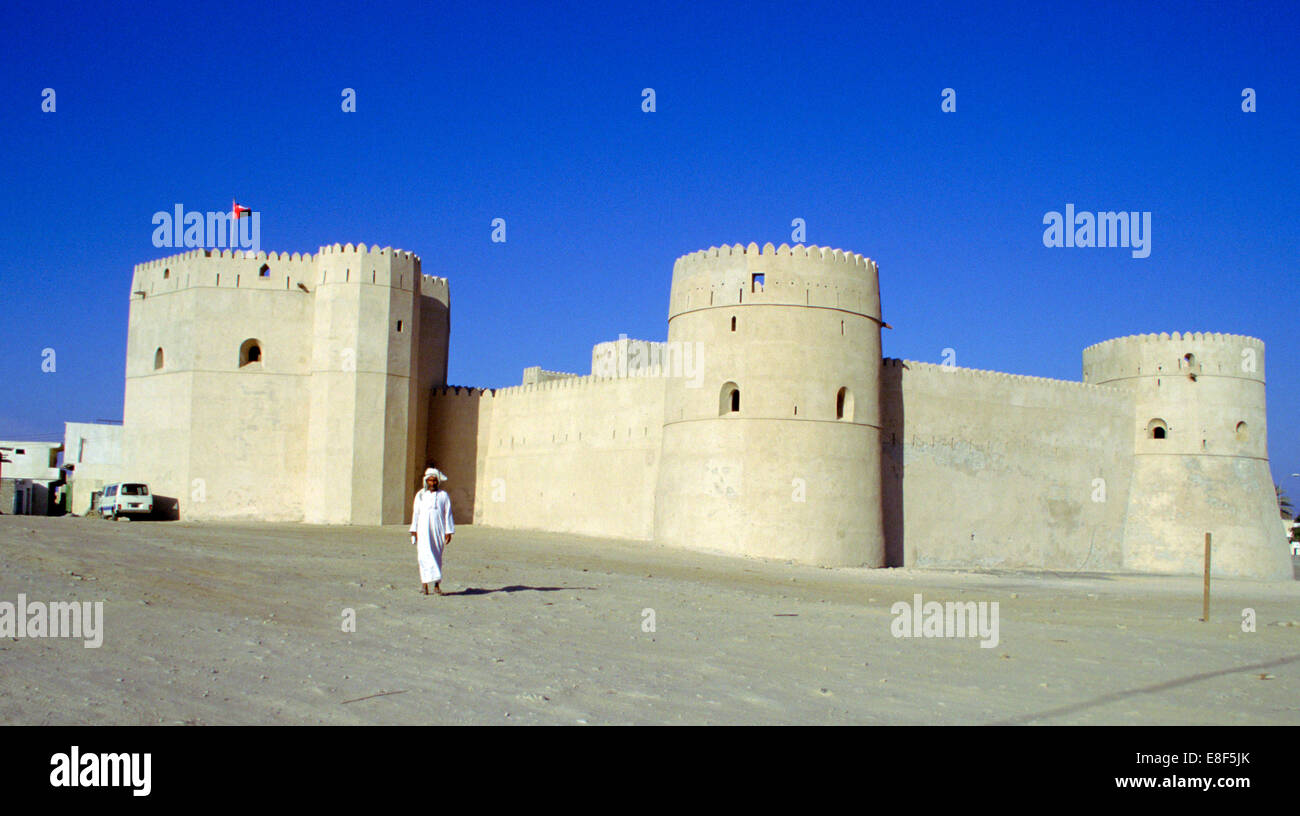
point(30, 479)
point(92, 455)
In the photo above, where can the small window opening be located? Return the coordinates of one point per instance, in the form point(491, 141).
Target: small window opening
point(756, 282)
point(844, 404)
point(167, 273)
point(250, 352)
point(1243, 432)
point(1157, 429)
point(733, 324)
point(399, 327)
point(158, 359)
point(264, 272)
point(729, 399)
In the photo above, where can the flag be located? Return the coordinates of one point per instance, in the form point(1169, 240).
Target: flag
point(238, 210)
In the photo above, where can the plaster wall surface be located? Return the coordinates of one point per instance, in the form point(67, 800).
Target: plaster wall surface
point(95, 451)
point(576, 455)
point(36, 461)
point(984, 469)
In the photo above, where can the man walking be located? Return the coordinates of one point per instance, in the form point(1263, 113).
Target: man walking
point(431, 528)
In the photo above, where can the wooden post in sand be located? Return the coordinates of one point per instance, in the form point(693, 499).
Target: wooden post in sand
point(1205, 601)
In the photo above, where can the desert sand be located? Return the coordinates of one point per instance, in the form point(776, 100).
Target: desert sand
point(243, 623)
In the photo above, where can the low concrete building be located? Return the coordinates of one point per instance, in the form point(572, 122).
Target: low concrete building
point(30, 479)
point(92, 457)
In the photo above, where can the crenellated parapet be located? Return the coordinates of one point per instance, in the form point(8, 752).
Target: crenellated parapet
point(799, 250)
point(349, 264)
point(291, 271)
point(986, 374)
point(801, 275)
point(452, 391)
point(360, 249)
point(1188, 354)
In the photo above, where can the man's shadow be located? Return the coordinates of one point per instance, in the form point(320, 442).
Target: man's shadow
point(513, 588)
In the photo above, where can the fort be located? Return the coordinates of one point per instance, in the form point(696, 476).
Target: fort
point(313, 388)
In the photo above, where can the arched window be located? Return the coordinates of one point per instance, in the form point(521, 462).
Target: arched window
point(729, 399)
point(733, 324)
point(158, 359)
point(1157, 429)
point(265, 271)
point(1243, 432)
point(844, 404)
point(250, 352)
point(1190, 360)
point(167, 273)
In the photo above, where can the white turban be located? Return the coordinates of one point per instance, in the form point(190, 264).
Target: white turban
point(438, 474)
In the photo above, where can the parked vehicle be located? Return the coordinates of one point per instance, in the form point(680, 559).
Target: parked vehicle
point(126, 499)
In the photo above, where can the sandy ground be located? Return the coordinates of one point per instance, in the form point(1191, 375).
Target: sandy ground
point(234, 623)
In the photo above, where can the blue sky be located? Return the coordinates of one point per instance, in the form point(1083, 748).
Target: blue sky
point(765, 113)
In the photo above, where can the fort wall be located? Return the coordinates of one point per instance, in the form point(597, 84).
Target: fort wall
point(985, 469)
point(313, 387)
point(576, 455)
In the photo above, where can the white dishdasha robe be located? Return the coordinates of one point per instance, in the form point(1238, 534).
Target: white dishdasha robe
point(431, 522)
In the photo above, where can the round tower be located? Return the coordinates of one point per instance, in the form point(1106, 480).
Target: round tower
point(772, 447)
point(1200, 453)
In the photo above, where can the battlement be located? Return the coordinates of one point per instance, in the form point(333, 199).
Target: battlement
point(801, 275)
point(278, 257)
point(462, 391)
point(360, 249)
point(182, 258)
point(434, 287)
point(1182, 353)
point(980, 373)
point(236, 268)
point(536, 374)
point(1138, 340)
point(564, 383)
point(816, 253)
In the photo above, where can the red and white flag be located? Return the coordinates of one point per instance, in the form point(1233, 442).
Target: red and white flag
point(238, 210)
